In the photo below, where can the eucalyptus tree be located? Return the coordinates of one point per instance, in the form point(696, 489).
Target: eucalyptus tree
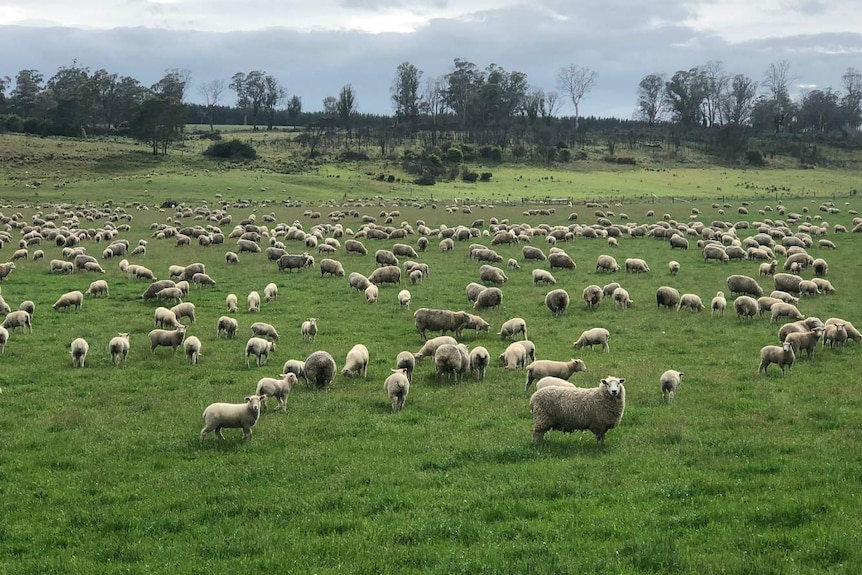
point(575, 82)
point(212, 92)
point(651, 100)
point(404, 92)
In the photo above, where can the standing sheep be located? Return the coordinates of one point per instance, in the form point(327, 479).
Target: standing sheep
point(514, 356)
point(690, 301)
point(357, 361)
point(97, 288)
point(592, 296)
point(597, 409)
point(405, 360)
point(557, 301)
point(594, 336)
point(4, 337)
point(167, 338)
point(192, 347)
point(451, 361)
point(118, 347)
point(670, 381)
point(260, 349)
point(19, 318)
point(78, 350)
point(718, 304)
point(232, 415)
point(253, 302)
point(622, 298)
point(320, 369)
point(231, 302)
point(512, 327)
point(548, 368)
point(666, 296)
point(673, 267)
point(371, 293)
point(746, 307)
point(270, 292)
point(226, 325)
point(72, 299)
point(309, 329)
point(277, 388)
point(397, 386)
point(479, 360)
point(783, 356)
point(404, 298)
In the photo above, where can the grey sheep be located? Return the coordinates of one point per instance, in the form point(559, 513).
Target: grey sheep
point(740, 284)
point(232, 415)
point(670, 381)
point(492, 275)
point(406, 360)
point(594, 336)
point(533, 253)
point(473, 290)
point(622, 298)
point(385, 258)
point(786, 282)
point(202, 280)
point(384, 275)
point(782, 356)
point(397, 386)
point(477, 323)
point(488, 298)
point(260, 349)
point(598, 409)
point(331, 267)
point(356, 280)
point(561, 260)
point(543, 276)
point(560, 369)
point(277, 388)
point(557, 301)
point(265, 330)
point(592, 295)
point(355, 247)
point(746, 307)
point(167, 338)
point(451, 362)
point(320, 369)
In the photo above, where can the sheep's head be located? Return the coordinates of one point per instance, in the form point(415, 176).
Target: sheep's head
point(579, 364)
point(254, 402)
point(613, 385)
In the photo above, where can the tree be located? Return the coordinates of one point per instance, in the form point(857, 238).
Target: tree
point(273, 96)
point(852, 101)
point(345, 107)
point(405, 93)
point(552, 105)
point(161, 117)
point(651, 98)
point(71, 98)
point(777, 80)
point(715, 86)
point(4, 84)
point(294, 108)
point(820, 111)
point(212, 92)
point(685, 93)
point(255, 85)
point(24, 97)
point(461, 86)
point(238, 85)
point(575, 82)
point(738, 102)
point(434, 102)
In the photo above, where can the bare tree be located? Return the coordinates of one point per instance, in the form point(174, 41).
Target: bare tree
point(575, 82)
point(852, 100)
point(434, 102)
point(651, 98)
point(738, 101)
point(552, 104)
point(777, 80)
point(212, 92)
point(716, 84)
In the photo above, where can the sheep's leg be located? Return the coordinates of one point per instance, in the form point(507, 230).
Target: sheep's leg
point(246, 433)
point(218, 432)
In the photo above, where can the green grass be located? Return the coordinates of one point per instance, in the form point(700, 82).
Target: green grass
point(101, 470)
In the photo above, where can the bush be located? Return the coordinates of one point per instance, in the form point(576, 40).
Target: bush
point(754, 158)
point(434, 159)
point(32, 126)
point(12, 123)
point(519, 152)
point(485, 177)
point(232, 150)
point(628, 161)
point(469, 176)
point(493, 153)
point(426, 179)
point(565, 155)
point(454, 155)
point(469, 152)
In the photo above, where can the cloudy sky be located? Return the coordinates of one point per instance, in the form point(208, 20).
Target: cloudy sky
point(316, 46)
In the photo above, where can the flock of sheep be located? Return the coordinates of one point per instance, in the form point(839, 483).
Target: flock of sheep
point(556, 404)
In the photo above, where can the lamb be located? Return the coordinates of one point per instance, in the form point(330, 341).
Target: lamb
point(397, 386)
point(431, 345)
point(78, 351)
point(746, 307)
point(320, 369)
point(740, 284)
point(768, 269)
point(174, 294)
point(673, 267)
point(782, 309)
point(549, 381)
point(666, 296)
point(808, 288)
point(557, 301)
point(156, 287)
point(670, 381)
point(416, 276)
point(479, 361)
point(71, 299)
point(93, 267)
point(259, 348)
point(167, 338)
point(440, 320)
point(543, 276)
point(636, 266)
point(98, 287)
point(559, 369)
point(331, 267)
point(277, 388)
point(357, 361)
point(597, 409)
point(783, 356)
point(265, 330)
point(232, 415)
point(806, 340)
point(512, 327)
point(253, 302)
point(824, 285)
point(61, 266)
point(530, 348)
point(488, 298)
point(594, 336)
point(165, 318)
point(192, 347)
point(404, 298)
point(514, 356)
point(270, 292)
point(384, 275)
point(492, 275)
point(451, 361)
point(690, 301)
point(358, 281)
point(295, 367)
point(118, 347)
point(784, 296)
point(226, 325)
point(4, 337)
point(19, 318)
point(835, 335)
point(592, 295)
point(405, 360)
point(622, 298)
point(308, 330)
point(231, 302)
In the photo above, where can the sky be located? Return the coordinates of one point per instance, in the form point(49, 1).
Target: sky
point(315, 47)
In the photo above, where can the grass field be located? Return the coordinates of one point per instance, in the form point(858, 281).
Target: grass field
point(102, 471)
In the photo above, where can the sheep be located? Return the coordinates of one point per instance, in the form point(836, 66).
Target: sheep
point(513, 264)
point(782, 355)
point(488, 298)
point(289, 262)
point(231, 302)
point(560, 260)
point(673, 267)
point(451, 361)
point(592, 295)
point(559, 369)
point(404, 250)
point(320, 369)
point(740, 284)
point(405, 360)
point(636, 266)
point(597, 409)
point(440, 320)
point(768, 269)
point(557, 301)
point(594, 336)
point(308, 330)
point(514, 356)
point(715, 252)
point(806, 340)
point(19, 318)
point(835, 335)
point(6, 269)
point(295, 367)
point(231, 258)
point(608, 290)
point(174, 294)
point(4, 337)
point(530, 348)
point(786, 282)
point(71, 299)
point(358, 281)
point(690, 301)
point(852, 332)
point(808, 288)
point(397, 386)
point(781, 309)
point(331, 267)
point(533, 253)
point(142, 273)
point(93, 267)
point(265, 330)
point(78, 350)
point(511, 328)
point(746, 307)
point(156, 287)
point(192, 347)
point(492, 275)
point(61, 266)
point(784, 296)
point(543, 276)
point(670, 381)
point(622, 298)
point(549, 381)
point(259, 348)
point(277, 388)
point(270, 292)
point(431, 346)
point(118, 347)
point(666, 296)
point(98, 287)
point(416, 276)
point(356, 362)
point(253, 302)
point(232, 415)
point(473, 290)
point(165, 318)
point(226, 325)
point(824, 285)
point(167, 338)
point(479, 361)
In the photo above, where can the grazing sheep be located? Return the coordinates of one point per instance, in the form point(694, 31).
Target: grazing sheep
point(4, 337)
point(295, 367)
point(666, 296)
point(740, 284)
point(561, 260)
point(357, 361)
point(479, 361)
point(835, 335)
point(156, 287)
point(142, 273)
point(384, 275)
point(559, 369)
point(440, 320)
point(167, 338)
point(746, 307)
point(265, 330)
point(98, 287)
point(192, 347)
point(715, 252)
point(533, 253)
point(594, 336)
point(6, 269)
point(405, 360)
point(253, 302)
point(397, 386)
point(185, 309)
point(488, 298)
point(781, 309)
point(71, 299)
point(93, 267)
point(355, 247)
point(61, 266)
point(670, 381)
point(430, 346)
point(808, 288)
point(786, 282)
point(231, 302)
point(165, 318)
point(514, 356)
point(232, 415)
point(371, 293)
point(784, 296)
point(592, 295)
point(622, 298)
point(226, 325)
point(530, 348)
point(473, 290)
point(259, 348)
point(824, 285)
point(404, 298)
point(270, 292)
point(19, 318)
point(782, 355)
point(513, 264)
point(416, 276)
point(231, 258)
point(673, 267)
point(451, 361)
point(543, 276)
point(492, 275)
point(512, 327)
point(597, 409)
point(118, 347)
point(806, 340)
point(331, 267)
point(557, 301)
point(358, 281)
point(277, 388)
point(309, 329)
point(690, 301)
point(320, 369)
point(173, 294)
point(636, 266)
point(78, 351)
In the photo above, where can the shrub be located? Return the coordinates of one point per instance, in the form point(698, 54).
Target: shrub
point(565, 155)
point(426, 179)
point(32, 126)
point(628, 161)
point(469, 152)
point(754, 158)
point(469, 175)
point(493, 153)
point(12, 123)
point(454, 155)
point(485, 177)
point(434, 159)
point(232, 149)
point(519, 151)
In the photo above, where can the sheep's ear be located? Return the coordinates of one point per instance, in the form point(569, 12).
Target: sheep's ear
point(248, 398)
point(621, 380)
point(262, 397)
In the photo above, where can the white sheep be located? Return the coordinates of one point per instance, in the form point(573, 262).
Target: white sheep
point(78, 350)
point(192, 347)
point(512, 327)
point(277, 388)
point(690, 301)
point(165, 318)
point(371, 293)
point(514, 356)
point(295, 367)
point(167, 338)
point(231, 302)
point(71, 299)
point(546, 367)
point(594, 336)
point(622, 298)
point(406, 360)
point(118, 347)
point(404, 298)
point(226, 325)
point(670, 381)
point(232, 415)
point(397, 386)
point(549, 381)
point(479, 360)
point(673, 267)
point(835, 335)
point(566, 409)
point(18, 318)
point(357, 361)
point(263, 329)
point(4, 337)
point(260, 349)
point(254, 302)
point(782, 355)
point(97, 288)
point(718, 304)
point(270, 292)
point(185, 309)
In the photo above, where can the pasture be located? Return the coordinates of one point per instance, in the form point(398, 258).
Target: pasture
point(102, 470)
